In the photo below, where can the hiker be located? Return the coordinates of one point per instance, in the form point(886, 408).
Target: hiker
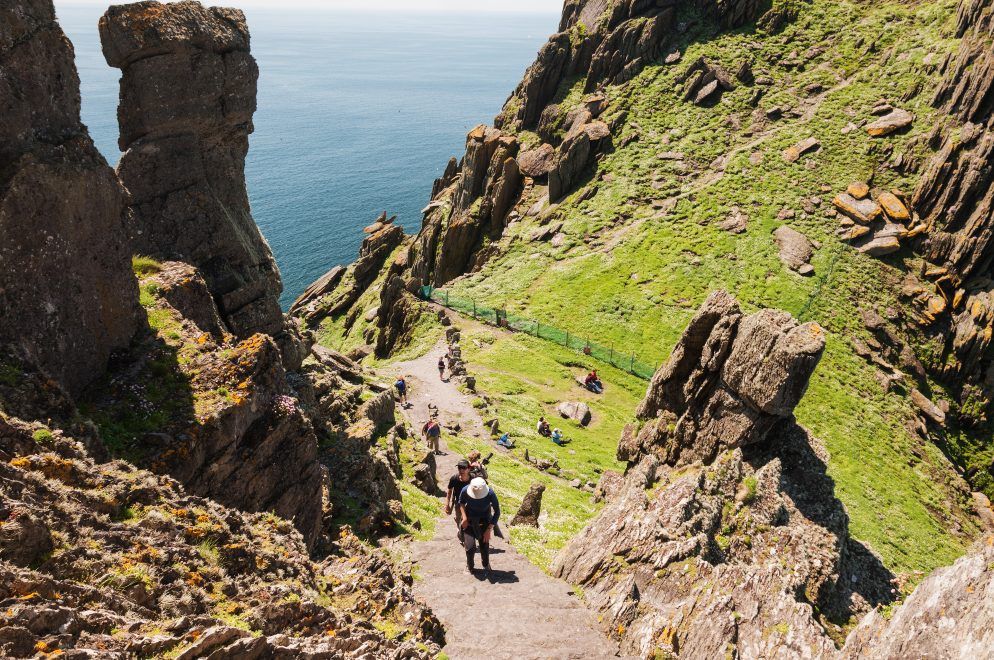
point(505, 441)
point(441, 368)
point(401, 386)
point(476, 468)
point(544, 429)
point(457, 482)
point(480, 511)
point(557, 437)
point(432, 432)
point(593, 383)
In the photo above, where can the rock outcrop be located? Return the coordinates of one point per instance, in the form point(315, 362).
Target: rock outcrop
point(216, 413)
point(66, 287)
point(188, 93)
point(696, 565)
point(947, 616)
point(339, 289)
point(609, 43)
point(105, 560)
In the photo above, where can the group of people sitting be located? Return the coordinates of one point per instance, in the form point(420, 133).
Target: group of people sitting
point(546, 431)
point(476, 508)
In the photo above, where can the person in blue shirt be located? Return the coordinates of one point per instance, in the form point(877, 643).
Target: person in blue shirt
point(480, 513)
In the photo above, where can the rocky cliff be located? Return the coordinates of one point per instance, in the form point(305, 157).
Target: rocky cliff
point(188, 93)
point(66, 287)
point(725, 537)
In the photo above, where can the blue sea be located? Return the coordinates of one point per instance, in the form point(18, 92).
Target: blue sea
point(358, 114)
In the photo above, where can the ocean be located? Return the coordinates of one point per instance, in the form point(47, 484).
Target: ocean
point(358, 114)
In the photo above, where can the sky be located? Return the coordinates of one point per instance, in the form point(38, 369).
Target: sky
point(539, 6)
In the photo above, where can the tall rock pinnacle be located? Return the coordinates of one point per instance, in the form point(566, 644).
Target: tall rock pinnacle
point(67, 292)
point(188, 93)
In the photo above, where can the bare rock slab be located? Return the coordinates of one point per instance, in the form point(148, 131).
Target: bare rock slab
point(795, 248)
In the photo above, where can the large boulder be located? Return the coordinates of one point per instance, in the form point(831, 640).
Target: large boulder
point(578, 411)
point(66, 287)
point(729, 380)
point(188, 93)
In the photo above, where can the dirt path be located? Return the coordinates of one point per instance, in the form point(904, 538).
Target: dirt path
point(522, 612)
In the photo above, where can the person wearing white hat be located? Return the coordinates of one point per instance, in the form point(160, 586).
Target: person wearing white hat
point(480, 513)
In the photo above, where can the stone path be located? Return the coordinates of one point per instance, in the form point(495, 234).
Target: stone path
point(521, 612)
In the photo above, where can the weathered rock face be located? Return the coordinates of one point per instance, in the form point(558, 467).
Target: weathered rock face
point(105, 560)
point(188, 93)
point(695, 566)
point(66, 287)
point(216, 413)
point(608, 43)
point(955, 200)
point(948, 616)
point(729, 381)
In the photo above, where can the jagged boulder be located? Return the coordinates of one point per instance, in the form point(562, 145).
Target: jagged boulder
point(729, 380)
point(66, 287)
point(188, 93)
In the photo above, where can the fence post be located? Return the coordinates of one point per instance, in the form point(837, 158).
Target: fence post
point(446, 298)
point(611, 358)
point(538, 326)
point(631, 369)
point(567, 339)
point(474, 309)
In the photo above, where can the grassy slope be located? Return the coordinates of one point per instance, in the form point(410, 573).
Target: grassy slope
point(639, 290)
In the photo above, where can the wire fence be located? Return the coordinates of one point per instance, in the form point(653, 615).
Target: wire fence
point(626, 361)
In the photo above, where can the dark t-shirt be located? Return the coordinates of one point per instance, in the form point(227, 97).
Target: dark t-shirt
point(456, 484)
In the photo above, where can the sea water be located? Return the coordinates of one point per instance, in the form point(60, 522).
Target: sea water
point(358, 113)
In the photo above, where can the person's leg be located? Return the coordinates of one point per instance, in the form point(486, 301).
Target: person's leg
point(485, 554)
point(469, 542)
point(459, 532)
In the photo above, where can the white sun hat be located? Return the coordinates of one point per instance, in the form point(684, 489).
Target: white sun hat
point(478, 488)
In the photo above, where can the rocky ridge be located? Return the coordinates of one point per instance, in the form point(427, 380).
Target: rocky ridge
point(111, 560)
point(724, 535)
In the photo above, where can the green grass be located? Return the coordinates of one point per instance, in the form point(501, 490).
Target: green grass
point(526, 378)
point(144, 266)
point(631, 278)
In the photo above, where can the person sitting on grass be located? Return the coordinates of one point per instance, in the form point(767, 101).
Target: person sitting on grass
point(544, 429)
point(593, 383)
point(557, 437)
point(505, 441)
